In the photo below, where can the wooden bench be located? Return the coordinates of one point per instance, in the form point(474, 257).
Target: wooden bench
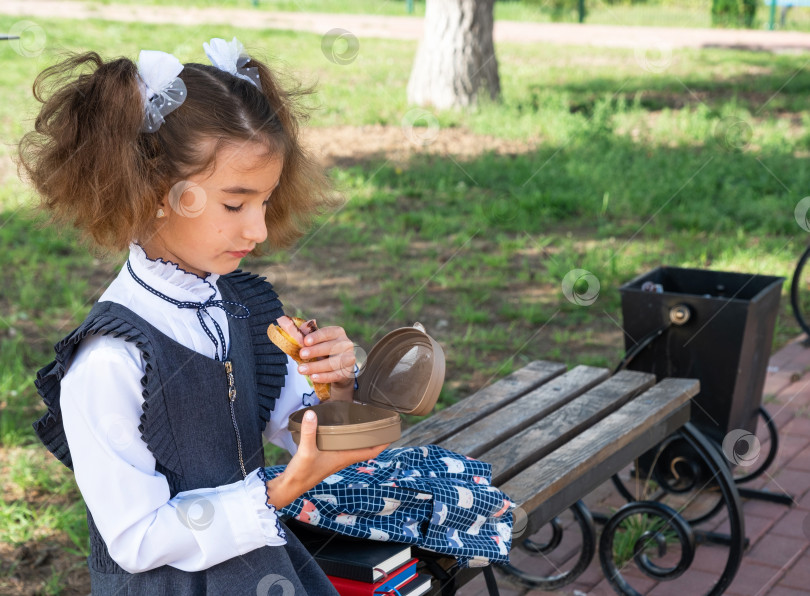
point(553, 436)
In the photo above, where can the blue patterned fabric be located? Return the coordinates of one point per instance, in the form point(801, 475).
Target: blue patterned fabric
point(427, 496)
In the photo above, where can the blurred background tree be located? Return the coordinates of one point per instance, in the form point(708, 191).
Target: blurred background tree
point(455, 62)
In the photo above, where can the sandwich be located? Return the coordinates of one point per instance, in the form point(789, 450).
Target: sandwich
point(292, 345)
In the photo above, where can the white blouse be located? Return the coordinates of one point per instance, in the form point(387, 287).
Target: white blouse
point(101, 401)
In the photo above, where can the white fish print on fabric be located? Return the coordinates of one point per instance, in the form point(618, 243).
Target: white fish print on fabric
point(331, 499)
point(380, 464)
point(454, 466)
point(375, 534)
point(346, 519)
point(391, 505)
point(465, 497)
point(439, 513)
point(453, 538)
point(409, 527)
point(480, 520)
point(504, 531)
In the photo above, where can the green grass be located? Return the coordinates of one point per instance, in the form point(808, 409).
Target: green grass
point(695, 159)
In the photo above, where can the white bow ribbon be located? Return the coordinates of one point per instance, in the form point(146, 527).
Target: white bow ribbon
point(163, 91)
point(230, 56)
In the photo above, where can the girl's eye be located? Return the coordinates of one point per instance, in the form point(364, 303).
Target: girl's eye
point(233, 209)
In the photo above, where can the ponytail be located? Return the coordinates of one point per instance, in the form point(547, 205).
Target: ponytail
point(85, 156)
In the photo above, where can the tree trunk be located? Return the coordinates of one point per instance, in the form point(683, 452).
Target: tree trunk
point(456, 60)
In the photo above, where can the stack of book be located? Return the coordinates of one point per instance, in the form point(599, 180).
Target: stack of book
point(368, 568)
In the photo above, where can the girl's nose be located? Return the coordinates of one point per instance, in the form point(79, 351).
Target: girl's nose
point(255, 228)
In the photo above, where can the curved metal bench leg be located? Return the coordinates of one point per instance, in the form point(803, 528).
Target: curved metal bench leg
point(554, 582)
point(653, 535)
point(719, 479)
point(765, 495)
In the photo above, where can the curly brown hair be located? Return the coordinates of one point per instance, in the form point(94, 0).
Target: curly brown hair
point(94, 169)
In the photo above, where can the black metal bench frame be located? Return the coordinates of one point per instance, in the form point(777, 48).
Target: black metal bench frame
point(553, 436)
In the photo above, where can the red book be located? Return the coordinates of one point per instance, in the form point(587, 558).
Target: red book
point(395, 579)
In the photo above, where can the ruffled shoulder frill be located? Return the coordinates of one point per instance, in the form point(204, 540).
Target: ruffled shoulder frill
point(258, 295)
point(107, 318)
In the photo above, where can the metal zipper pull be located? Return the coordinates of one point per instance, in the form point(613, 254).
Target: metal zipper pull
point(231, 399)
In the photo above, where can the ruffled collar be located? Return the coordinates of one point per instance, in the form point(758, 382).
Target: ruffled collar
point(170, 279)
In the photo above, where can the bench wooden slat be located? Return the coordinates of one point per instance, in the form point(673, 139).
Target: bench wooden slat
point(511, 419)
point(467, 411)
point(526, 447)
point(576, 467)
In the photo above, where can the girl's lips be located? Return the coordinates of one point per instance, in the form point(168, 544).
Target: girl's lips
point(239, 253)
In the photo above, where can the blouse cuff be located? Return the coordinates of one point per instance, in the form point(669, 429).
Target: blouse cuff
point(268, 516)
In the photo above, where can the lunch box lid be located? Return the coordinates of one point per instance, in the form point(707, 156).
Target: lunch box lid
point(404, 372)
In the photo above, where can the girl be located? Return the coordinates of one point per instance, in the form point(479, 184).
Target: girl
point(158, 401)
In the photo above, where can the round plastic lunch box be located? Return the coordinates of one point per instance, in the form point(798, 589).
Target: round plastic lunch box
point(403, 373)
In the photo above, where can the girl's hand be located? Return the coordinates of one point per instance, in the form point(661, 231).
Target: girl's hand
point(309, 466)
point(336, 360)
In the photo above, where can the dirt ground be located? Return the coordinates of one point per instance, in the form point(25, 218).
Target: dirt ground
point(341, 146)
point(405, 27)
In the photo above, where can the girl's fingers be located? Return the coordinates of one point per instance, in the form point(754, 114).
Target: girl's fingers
point(323, 335)
point(329, 347)
point(287, 324)
point(309, 428)
point(339, 366)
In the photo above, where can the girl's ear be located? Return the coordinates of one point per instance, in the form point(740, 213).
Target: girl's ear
point(163, 208)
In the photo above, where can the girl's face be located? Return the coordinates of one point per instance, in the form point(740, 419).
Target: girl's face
point(214, 219)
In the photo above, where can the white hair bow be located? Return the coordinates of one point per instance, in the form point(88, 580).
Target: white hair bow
point(230, 56)
point(162, 90)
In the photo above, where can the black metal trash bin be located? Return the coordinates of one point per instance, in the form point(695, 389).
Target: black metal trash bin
point(711, 325)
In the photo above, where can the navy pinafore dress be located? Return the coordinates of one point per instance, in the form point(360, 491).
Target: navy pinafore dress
point(188, 427)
